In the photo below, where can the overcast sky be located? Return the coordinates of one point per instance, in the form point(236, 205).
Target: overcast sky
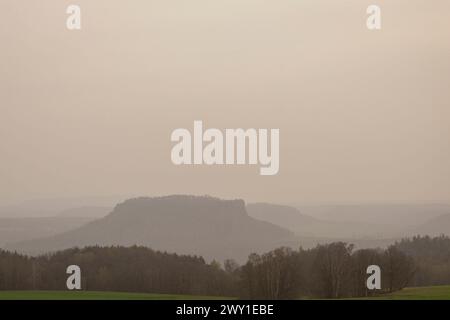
point(363, 116)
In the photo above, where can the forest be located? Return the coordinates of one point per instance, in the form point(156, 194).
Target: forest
point(334, 270)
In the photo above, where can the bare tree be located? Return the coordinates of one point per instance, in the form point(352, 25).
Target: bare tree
point(399, 269)
point(331, 268)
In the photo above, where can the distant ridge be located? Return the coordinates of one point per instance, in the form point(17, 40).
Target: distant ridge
point(435, 227)
point(87, 211)
point(184, 224)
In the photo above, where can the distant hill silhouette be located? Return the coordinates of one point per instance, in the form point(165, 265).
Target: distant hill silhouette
point(88, 212)
point(304, 225)
point(206, 226)
point(400, 215)
point(284, 216)
point(375, 220)
point(435, 226)
point(53, 207)
point(21, 229)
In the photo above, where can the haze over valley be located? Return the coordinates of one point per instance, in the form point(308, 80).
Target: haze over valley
point(214, 228)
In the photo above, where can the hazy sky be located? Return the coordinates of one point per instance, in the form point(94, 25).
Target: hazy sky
point(363, 116)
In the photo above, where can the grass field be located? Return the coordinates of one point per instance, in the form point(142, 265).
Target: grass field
point(96, 295)
point(418, 293)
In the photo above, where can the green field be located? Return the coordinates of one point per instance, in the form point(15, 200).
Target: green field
point(96, 295)
point(418, 293)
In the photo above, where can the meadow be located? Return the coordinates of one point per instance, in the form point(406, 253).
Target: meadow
point(97, 295)
point(417, 293)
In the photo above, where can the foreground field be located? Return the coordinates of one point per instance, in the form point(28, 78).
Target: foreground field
point(95, 295)
point(418, 293)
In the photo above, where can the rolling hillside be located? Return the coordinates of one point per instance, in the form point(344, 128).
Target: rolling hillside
point(22, 229)
point(305, 225)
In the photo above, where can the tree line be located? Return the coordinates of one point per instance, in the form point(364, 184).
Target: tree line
point(334, 270)
point(125, 269)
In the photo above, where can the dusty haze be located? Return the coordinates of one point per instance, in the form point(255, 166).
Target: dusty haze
point(363, 116)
